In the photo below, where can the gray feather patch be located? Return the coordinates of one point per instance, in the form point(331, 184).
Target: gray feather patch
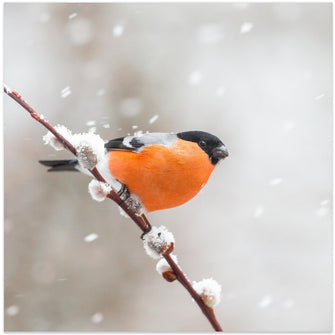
point(137, 142)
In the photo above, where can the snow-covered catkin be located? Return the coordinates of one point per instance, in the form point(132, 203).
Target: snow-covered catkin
point(135, 204)
point(98, 190)
point(164, 269)
point(90, 149)
point(209, 291)
point(86, 156)
point(53, 141)
point(157, 241)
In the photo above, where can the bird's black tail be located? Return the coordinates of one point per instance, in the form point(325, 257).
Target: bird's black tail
point(61, 165)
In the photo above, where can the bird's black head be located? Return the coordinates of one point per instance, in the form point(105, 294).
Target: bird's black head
point(209, 143)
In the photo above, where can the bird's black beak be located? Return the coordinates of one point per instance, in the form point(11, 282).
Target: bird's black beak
point(220, 152)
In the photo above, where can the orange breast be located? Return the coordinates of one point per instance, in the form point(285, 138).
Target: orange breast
point(163, 177)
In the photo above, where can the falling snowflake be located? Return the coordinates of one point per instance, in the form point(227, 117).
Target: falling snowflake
point(275, 181)
point(324, 202)
point(12, 310)
point(97, 318)
point(118, 30)
point(246, 27)
point(90, 238)
point(153, 119)
point(72, 16)
point(90, 123)
point(320, 96)
point(258, 211)
point(195, 78)
point(265, 302)
point(65, 92)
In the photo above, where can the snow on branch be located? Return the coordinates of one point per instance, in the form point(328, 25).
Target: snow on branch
point(157, 241)
point(53, 141)
point(89, 146)
point(90, 149)
point(209, 290)
point(99, 190)
point(165, 270)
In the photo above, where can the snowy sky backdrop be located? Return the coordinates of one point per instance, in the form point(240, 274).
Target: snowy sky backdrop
point(259, 76)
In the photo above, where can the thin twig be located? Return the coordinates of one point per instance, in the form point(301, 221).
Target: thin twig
point(141, 221)
point(208, 311)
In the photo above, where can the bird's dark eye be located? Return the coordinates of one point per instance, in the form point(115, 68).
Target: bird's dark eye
point(202, 144)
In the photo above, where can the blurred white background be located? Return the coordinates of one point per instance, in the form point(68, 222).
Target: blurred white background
point(259, 76)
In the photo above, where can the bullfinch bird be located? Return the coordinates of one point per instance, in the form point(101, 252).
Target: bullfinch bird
point(163, 170)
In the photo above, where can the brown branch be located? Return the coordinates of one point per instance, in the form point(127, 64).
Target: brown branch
point(209, 312)
point(141, 221)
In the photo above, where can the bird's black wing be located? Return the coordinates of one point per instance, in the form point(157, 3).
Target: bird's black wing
point(135, 143)
point(132, 144)
point(117, 144)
